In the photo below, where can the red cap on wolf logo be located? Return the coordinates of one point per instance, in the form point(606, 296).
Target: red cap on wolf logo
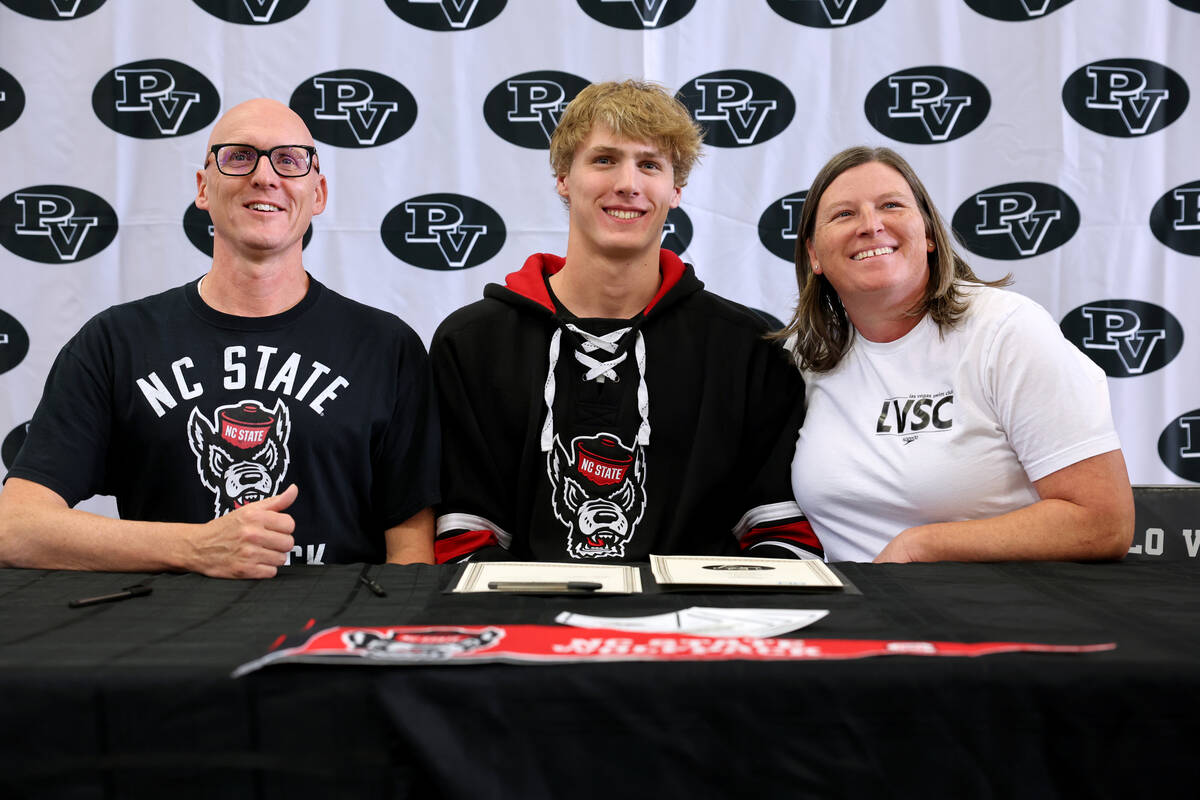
point(602, 459)
point(245, 426)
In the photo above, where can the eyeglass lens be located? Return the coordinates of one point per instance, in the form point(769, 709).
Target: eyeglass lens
point(236, 159)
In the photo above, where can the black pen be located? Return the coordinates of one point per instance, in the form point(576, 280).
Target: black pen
point(137, 590)
point(544, 586)
point(370, 583)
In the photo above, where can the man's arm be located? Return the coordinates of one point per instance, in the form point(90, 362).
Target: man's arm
point(774, 526)
point(1085, 513)
point(475, 486)
point(411, 542)
point(39, 530)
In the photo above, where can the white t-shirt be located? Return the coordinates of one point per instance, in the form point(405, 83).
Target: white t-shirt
point(932, 428)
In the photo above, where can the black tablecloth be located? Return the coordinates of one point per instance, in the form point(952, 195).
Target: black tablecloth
point(135, 698)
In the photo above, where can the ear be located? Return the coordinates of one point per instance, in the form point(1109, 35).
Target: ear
point(677, 197)
point(929, 245)
point(201, 190)
point(812, 257)
point(196, 426)
point(322, 194)
point(560, 186)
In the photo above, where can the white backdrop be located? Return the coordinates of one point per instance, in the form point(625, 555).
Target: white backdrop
point(98, 96)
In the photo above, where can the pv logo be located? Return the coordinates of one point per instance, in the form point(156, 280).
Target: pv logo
point(677, 231)
point(825, 13)
point(12, 444)
point(927, 105)
point(355, 108)
point(443, 232)
point(54, 9)
point(636, 15)
point(253, 12)
point(56, 224)
point(1189, 5)
point(779, 225)
point(1125, 337)
point(447, 15)
point(14, 342)
point(524, 110)
point(1179, 445)
point(738, 108)
point(1175, 219)
point(12, 100)
point(1125, 97)
point(155, 99)
point(1016, 220)
point(1016, 10)
point(198, 227)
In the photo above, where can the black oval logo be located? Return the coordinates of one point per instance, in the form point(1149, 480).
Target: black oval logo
point(54, 9)
point(253, 12)
point(14, 342)
point(737, 107)
point(1016, 220)
point(1175, 219)
point(355, 108)
point(12, 444)
point(12, 100)
point(927, 105)
point(524, 109)
point(56, 224)
point(1125, 97)
point(155, 99)
point(1016, 10)
point(451, 15)
point(198, 227)
point(1126, 338)
point(677, 231)
point(637, 15)
point(1179, 446)
point(826, 13)
point(1189, 5)
point(443, 232)
point(779, 225)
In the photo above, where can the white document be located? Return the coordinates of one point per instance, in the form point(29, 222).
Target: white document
point(705, 621)
point(549, 577)
point(734, 572)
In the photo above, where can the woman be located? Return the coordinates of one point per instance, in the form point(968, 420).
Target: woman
point(948, 419)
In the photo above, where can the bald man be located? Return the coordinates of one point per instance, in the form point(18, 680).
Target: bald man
point(238, 419)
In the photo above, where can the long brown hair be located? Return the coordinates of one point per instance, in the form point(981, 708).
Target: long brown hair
point(819, 324)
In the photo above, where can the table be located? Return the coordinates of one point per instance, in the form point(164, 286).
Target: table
point(134, 699)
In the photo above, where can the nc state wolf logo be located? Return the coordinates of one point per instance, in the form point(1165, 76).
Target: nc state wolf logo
point(430, 644)
point(599, 493)
point(244, 457)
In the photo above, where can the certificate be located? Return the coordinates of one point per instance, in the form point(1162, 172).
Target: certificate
point(549, 577)
point(734, 572)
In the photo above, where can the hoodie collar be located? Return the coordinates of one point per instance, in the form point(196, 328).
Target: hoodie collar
point(530, 281)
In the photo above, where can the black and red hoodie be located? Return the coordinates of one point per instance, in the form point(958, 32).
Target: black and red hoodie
point(607, 440)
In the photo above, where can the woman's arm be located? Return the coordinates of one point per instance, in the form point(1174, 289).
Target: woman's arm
point(1085, 513)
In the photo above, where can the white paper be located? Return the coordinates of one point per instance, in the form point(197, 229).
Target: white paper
point(613, 578)
point(760, 572)
point(705, 621)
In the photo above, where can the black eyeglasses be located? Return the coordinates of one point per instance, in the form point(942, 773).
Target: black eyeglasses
point(288, 160)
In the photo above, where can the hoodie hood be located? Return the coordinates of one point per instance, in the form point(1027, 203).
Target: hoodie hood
point(600, 354)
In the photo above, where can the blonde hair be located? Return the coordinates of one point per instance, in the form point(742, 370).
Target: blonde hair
point(639, 110)
point(820, 326)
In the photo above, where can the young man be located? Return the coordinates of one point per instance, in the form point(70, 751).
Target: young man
point(237, 419)
point(604, 406)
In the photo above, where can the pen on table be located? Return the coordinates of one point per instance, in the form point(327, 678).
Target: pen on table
point(137, 590)
point(370, 583)
point(545, 586)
